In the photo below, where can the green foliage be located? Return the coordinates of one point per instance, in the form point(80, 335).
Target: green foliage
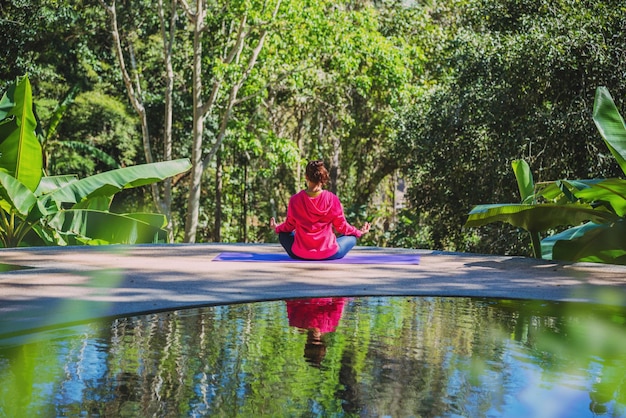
point(510, 79)
point(80, 156)
point(97, 129)
point(18, 141)
point(65, 210)
point(596, 208)
point(444, 94)
point(31, 27)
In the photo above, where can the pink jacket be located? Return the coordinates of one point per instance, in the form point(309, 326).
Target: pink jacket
point(321, 313)
point(313, 219)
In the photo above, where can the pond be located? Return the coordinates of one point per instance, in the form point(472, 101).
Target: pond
point(366, 356)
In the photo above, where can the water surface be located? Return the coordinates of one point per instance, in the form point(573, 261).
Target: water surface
point(370, 357)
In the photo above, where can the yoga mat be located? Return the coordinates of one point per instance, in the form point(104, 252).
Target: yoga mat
point(348, 259)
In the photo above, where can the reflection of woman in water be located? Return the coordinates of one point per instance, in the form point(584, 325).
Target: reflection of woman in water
point(317, 316)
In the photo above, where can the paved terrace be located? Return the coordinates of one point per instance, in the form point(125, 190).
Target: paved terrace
point(73, 284)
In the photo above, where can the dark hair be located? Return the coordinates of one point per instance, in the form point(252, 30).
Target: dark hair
point(316, 172)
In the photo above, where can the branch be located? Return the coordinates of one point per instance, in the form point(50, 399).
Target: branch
point(120, 56)
point(206, 108)
point(133, 66)
point(241, 35)
point(223, 125)
point(191, 15)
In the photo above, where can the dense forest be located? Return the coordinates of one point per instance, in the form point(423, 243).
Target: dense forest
point(417, 107)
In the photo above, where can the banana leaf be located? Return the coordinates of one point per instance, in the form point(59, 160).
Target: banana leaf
point(537, 218)
point(561, 191)
point(42, 235)
point(547, 244)
point(51, 183)
point(155, 219)
point(552, 191)
point(111, 182)
point(526, 186)
point(16, 197)
point(611, 125)
point(524, 178)
point(102, 203)
point(598, 243)
point(612, 191)
point(84, 226)
point(6, 102)
point(20, 150)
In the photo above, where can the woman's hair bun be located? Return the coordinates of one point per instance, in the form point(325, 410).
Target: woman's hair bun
point(316, 172)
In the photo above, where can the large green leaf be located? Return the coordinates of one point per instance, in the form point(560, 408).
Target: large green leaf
point(102, 203)
point(611, 125)
point(524, 178)
point(6, 102)
point(42, 235)
point(612, 191)
point(111, 182)
point(561, 191)
point(547, 244)
point(608, 191)
point(536, 218)
point(155, 219)
point(20, 150)
point(551, 191)
point(50, 183)
point(599, 243)
point(98, 227)
point(16, 196)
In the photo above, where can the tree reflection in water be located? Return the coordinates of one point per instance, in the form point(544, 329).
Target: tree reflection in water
point(394, 356)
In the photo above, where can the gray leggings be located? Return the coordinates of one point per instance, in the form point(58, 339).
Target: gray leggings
point(346, 242)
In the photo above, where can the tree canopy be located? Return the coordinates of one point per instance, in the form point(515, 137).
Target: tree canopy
point(418, 108)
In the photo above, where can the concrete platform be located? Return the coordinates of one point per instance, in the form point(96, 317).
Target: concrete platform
point(65, 285)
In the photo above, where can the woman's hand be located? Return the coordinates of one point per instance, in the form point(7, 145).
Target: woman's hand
point(273, 223)
point(365, 228)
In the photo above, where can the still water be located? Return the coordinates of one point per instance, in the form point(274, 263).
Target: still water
point(369, 357)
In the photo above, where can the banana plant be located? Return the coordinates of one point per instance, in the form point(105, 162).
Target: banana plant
point(65, 210)
point(593, 209)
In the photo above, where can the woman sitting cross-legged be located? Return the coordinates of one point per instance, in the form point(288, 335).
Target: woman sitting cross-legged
point(307, 233)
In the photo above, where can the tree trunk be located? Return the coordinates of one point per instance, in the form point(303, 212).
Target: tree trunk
point(217, 234)
point(244, 215)
point(367, 185)
point(168, 118)
point(193, 200)
point(335, 169)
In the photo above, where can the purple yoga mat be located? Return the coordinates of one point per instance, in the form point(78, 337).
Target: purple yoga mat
point(348, 259)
